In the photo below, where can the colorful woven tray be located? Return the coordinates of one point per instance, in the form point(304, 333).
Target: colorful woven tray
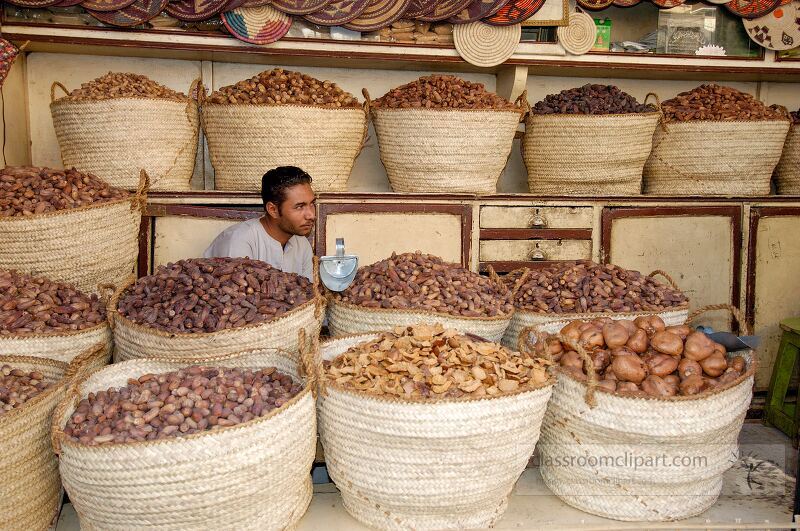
point(67, 3)
point(338, 13)
point(187, 11)
point(233, 4)
point(8, 52)
point(477, 10)
point(257, 25)
point(667, 4)
point(626, 3)
point(779, 30)
point(299, 7)
point(417, 8)
point(595, 4)
point(379, 14)
point(137, 13)
point(445, 9)
point(751, 8)
point(514, 12)
point(106, 5)
point(33, 3)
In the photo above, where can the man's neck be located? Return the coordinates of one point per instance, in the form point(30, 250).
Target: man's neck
point(275, 232)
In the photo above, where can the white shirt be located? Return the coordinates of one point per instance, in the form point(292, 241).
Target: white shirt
point(250, 239)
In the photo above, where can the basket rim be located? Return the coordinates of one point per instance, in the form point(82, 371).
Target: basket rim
point(377, 109)
point(205, 106)
point(750, 122)
point(61, 382)
point(576, 316)
point(579, 116)
point(132, 198)
point(66, 333)
point(347, 305)
point(64, 101)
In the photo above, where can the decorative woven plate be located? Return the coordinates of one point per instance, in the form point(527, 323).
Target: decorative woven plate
point(477, 10)
point(752, 8)
point(33, 3)
point(514, 12)
point(417, 8)
point(378, 14)
point(8, 52)
point(299, 7)
point(445, 9)
point(779, 30)
point(233, 4)
point(187, 11)
point(338, 13)
point(256, 3)
point(626, 3)
point(718, 2)
point(137, 13)
point(68, 3)
point(786, 2)
point(595, 4)
point(257, 25)
point(105, 5)
point(579, 36)
point(666, 4)
point(484, 45)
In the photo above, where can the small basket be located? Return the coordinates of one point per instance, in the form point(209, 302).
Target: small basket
point(116, 138)
point(787, 174)
point(445, 150)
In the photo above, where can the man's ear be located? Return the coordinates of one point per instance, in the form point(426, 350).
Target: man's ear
point(272, 210)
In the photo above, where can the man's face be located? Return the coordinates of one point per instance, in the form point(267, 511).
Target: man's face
point(298, 211)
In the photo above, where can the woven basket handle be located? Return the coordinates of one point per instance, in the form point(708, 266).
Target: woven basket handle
point(737, 314)
point(53, 90)
point(319, 300)
point(140, 198)
point(77, 370)
point(309, 361)
point(662, 120)
point(70, 400)
point(666, 276)
point(588, 364)
point(520, 282)
point(497, 280)
point(113, 299)
point(522, 103)
point(367, 101)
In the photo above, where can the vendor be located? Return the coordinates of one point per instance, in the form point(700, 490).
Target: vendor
point(279, 236)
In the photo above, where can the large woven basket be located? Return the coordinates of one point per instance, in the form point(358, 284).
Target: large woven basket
point(588, 155)
point(640, 459)
point(30, 493)
point(86, 247)
point(252, 476)
point(787, 174)
point(449, 464)
point(526, 318)
point(244, 141)
point(61, 346)
point(116, 138)
point(445, 150)
point(706, 157)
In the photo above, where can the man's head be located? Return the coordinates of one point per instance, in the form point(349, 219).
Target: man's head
point(289, 199)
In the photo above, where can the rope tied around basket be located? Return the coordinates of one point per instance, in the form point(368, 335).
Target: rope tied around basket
point(310, 363)
point(140, 198)
point(588, 364)
point(53, 90)
point(662, 118)
point(109, 295)
point(666, 276)
point(523, 104)
point(526, 272)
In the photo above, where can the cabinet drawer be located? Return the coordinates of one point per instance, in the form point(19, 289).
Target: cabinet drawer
point(535, 217)
point(534, 250)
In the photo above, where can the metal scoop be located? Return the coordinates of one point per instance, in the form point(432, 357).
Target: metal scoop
point(338, 271)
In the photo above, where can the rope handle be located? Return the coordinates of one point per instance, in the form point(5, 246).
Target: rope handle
point(70, 400)
point(497, 280)
point(588, 364)
point(310, 363)
point(367, 101)
point(737, 314)
point(53, 90)
point(666, 276)
point(140, 198)
point(523, 104)
point(111, 303)
point(76, 371)
point(520, 282)
point(319, 300)
point(662, 119)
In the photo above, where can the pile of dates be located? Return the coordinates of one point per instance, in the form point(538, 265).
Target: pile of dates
point(591, 99)
point(442, 92)
point(716, 102)
point(18, 386)
point(123, 85)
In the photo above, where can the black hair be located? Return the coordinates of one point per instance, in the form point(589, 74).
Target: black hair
point(275, 182)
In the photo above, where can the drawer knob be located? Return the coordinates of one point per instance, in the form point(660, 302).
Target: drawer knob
point(538, 255)
point(538, 221)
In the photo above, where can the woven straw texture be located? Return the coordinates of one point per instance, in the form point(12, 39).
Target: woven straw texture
point(116, 138)
point(734, 158)
point(251, 476)
point(30, 493)
point(444, 150)
point(587, 155)
point(686, 444)
point(84, 247)
point(346, 319)
point(443, 465)
point(483, 45)
point(59, 346)
point(787, 174)
point(244, 141)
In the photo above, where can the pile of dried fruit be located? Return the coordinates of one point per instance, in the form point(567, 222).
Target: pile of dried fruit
point(644, 357)
point(183, 402)
point(433, 362)
point(210, 294)
point(795, 115)
point(591, 99)
point(425, 282)
point(123, 85)
point(18, 386)
point(715, 102)
point(433, 92)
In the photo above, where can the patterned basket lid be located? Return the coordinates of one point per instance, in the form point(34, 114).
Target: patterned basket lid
point(667, 4)
point(338, 13)
point(33, 3)
point(626, 3)
point(255, 3)
point(379, 14)
point(514, 12)
point(8, 52)
point(105, 5)
point(68, 3)
point(233, 4)
point(580, 35)
point(483, 45)
point(299, 7)
point(779, 30)
point(137, 13)
point(417, 8)
point(751, 8)
point(718, 2)
point(595, 4)
point(257, 25)
point(195, 10)
point(477, 10)
point(445, 9)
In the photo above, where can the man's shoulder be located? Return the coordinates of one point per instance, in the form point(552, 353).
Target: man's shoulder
point(240, 229)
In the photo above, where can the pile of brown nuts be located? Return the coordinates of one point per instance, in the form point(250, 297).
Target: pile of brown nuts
point(210, 294)
point(284, 87)
point(591, 99)
point(424, 282)
point(716, 102)
point(429, 361)
point(436, 92)
point(18, 386)
point(123, 85)
point(644, 357)
point(191, 400)
point(583, 287)
point(35, 305)
point(795, 116)
point(27, 190)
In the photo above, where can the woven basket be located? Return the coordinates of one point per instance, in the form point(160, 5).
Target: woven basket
point(30, 493)
point(787, 174)
point(445, 150)
point(587, 155)
point(640, 459)
point(449, 464)
point(244, 141)
point(61, 346)
point(85, 247)
point(251, 476)
point(116, 138)
point(709, 158)
point(526, 318)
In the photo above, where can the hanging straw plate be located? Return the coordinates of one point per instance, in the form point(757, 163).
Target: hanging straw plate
point(418, 8)
point(379, 14)
point(105, 5)
point(299, 7)
point(445, 9)
point(596, 4)
point(514, 12)
point(484, 45)
point(257, 25)
point(751, 8)
point(186, 10)
point(779, 30)
point(137, 13)
point(478, 10)
point(338, 13)
point(579, 36)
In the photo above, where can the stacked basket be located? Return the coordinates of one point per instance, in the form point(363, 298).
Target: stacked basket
point(787, 174)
